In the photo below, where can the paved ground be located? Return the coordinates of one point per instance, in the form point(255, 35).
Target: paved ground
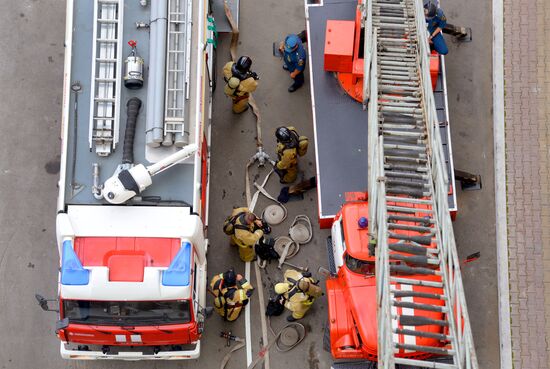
point(30, 106)
point(470, 103)
point(527, 101)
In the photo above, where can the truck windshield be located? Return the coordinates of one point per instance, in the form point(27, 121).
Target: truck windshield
point(127, 312)
point(360, 266)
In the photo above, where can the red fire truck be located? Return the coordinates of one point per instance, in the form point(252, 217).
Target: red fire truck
point(132, 216)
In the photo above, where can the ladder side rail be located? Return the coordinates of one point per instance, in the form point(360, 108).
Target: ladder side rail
point(118, 73)
point(450, 264)
point(92, 78)
point(439, 190)
point(188, 32)
point(386, 359)
point(373, 132)
point(107, 51)
point(368, 42)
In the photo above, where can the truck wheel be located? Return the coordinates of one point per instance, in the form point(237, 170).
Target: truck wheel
point(326, 337)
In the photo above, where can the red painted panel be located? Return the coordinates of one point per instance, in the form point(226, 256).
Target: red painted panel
point(434, 68)
point(96, 251)
point(177, 334)
point(339, 38)
point(126, 267)
point(325, 223)
point(357, 239)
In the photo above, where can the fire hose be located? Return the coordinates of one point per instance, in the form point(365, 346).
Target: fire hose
point(261, 157)
point(288, 338)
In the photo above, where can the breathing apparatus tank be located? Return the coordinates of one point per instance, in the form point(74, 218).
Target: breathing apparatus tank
point(133, 76)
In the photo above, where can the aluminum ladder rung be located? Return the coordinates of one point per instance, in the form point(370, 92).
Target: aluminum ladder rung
point(406, 175)
point(415, 320)
point(404, 209)
point(424, 220)
point(417, 306)
point(423, 240)
point(405, 227)
point(420, 261)
point(416, 282)
point(410, 270)
point(424, 334)
point(411, 183)
point(409, 248)
point(424, 295)
point(424, 363)
point(430, 349)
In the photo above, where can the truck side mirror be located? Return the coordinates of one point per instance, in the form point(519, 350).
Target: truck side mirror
point(43, 303)
point(207, 311)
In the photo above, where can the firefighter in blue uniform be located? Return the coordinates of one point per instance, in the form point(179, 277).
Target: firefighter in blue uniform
point(436, 21)
point(295, 60)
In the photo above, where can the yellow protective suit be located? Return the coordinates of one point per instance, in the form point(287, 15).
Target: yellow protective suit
point(229, 301)
point(245, 239)
point(240, 93)
point(299, 301)
point(287, 163)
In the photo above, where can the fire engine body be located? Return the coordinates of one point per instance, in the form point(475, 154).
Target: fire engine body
point(132, 280)
point(335, 50)
point(352, 291)
point(335, 42)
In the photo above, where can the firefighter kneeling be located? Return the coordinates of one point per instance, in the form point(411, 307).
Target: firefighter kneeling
point(245, 229)
point(299, 291)
point(231, 293)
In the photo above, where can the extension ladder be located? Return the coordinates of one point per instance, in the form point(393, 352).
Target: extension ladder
point(106, 76)
point(408, 202)
point(178, 53)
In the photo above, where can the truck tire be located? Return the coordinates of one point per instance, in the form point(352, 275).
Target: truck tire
point(326, 337)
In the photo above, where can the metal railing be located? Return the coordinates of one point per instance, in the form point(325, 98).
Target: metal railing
point(449, 261)
point(366, 11)
point(459, 324)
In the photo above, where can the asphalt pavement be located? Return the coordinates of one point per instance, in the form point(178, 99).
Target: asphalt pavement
point(31, 76)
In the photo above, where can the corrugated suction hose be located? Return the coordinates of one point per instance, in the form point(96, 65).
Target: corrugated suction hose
point(132, 109)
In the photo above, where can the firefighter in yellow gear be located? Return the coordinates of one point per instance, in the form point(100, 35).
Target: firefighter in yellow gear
point(299, 291)
point(240, 82)
point(231, 294)
point(290, 145)
point(246, 229)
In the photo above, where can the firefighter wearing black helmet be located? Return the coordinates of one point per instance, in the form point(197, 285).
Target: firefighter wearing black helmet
point(231, 293)
point(240, 82)
point(290, 145)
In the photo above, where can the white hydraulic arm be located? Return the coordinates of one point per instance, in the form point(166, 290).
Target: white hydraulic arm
point(127, 183)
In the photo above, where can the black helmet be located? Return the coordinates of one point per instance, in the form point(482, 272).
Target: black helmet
point(431, 8)
point(230, 278)
point(241, 68)
point(283, 134)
